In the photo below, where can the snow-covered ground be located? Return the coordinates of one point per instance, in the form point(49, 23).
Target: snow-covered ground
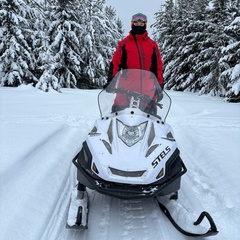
point(41, 132)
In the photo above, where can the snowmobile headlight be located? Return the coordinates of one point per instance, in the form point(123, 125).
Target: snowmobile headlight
point(131, 134)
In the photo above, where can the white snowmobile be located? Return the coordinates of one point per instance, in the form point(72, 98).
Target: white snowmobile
point(131, 151)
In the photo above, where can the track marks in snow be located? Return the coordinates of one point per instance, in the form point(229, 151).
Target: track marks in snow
point(132, 218)
point(112, 218)
point(71, 120)
point(103, 223)
point(40, 190)
point(204, 122)
point(136, 219)
point(202, 184)
point(15, 167)
point(55, 227)
point(203, 137)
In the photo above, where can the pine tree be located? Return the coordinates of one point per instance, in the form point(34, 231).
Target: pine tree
point(62, 62)
point(57, 43)
point(43, 53)
point(230, 76)
point(165, 34)
point(100, 35)
point(16, 58)
point(217, 17)
point(177, 47)
point(200, 46)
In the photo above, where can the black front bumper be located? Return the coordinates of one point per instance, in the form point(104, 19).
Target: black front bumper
point(169, 184)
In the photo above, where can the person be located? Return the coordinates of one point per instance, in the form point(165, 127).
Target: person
point(137, 51)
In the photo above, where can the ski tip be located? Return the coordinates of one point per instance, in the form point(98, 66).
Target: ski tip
point(77, 227)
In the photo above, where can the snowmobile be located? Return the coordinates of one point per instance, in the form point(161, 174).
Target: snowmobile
point(131, 151)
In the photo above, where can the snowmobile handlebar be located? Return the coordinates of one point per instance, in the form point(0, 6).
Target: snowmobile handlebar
point(145, 98)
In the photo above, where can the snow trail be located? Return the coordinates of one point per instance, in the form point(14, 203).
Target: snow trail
point(41, 133)
point(112, 218)
point(39, 190)
point(204, 140)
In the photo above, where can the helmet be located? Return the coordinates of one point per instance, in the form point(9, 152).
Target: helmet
point(139, 17)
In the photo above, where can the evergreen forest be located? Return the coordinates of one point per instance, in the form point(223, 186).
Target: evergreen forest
point(54, 44)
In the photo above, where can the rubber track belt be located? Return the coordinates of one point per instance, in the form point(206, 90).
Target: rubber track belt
point(212, 231)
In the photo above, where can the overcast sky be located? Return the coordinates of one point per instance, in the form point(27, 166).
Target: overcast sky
point(126, 8)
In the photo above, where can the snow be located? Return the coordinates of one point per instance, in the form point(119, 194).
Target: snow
point(40, 133)
point(236, 86)
point(236, 20)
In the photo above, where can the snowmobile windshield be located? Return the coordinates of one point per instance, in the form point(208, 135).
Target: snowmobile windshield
point(134, 88)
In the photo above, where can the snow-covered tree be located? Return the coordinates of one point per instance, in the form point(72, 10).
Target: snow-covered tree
point(57, 43)
point(164, 32)
point(99, 38)
point(61, 64)
point(230, 76)
point(217, 17)
point(41, 49)
point(181, 31)
point(16, 58)
point(79, 44)
point(199, 53)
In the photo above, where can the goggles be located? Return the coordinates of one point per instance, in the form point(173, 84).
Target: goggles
point(139, 17)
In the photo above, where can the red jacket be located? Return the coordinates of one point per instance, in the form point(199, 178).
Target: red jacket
point(140, 52)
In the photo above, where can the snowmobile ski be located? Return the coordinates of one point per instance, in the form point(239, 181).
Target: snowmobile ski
point(211, 232)
point(78, 210)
